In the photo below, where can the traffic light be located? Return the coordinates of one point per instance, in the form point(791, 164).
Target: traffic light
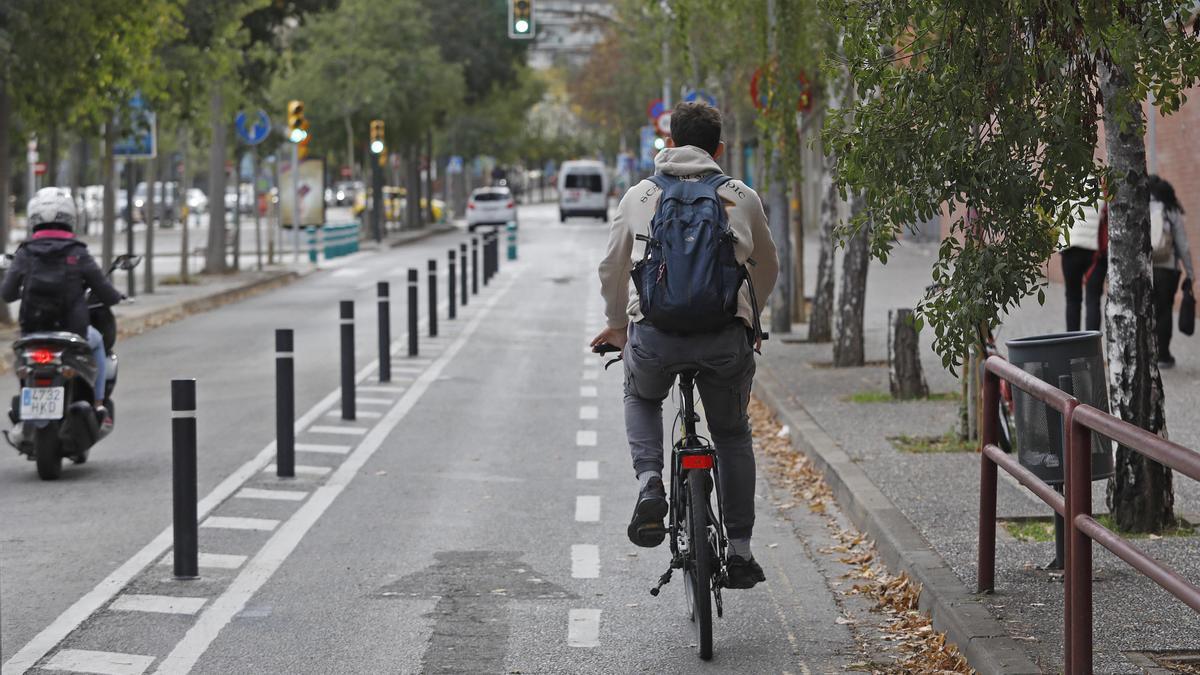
point(377, 144)
point(297, 125)
point(520, 19)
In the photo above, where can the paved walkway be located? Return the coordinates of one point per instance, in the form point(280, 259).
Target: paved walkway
point(938, 493)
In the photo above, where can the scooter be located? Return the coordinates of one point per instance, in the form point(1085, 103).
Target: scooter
point(54, 416)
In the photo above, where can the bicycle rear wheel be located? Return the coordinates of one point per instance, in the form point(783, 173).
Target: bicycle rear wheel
point(698, 576)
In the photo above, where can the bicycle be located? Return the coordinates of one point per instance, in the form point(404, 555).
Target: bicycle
point(697, 532)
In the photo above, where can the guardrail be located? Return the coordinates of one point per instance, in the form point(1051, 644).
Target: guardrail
point(1075, 505)
point(333, 241)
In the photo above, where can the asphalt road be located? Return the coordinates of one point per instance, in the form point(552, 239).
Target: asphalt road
point(473, 520)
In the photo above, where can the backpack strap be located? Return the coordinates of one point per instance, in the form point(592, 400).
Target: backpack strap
point(663, 181)
point(716, 180)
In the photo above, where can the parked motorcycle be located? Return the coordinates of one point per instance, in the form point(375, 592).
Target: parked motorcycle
point(54, 416)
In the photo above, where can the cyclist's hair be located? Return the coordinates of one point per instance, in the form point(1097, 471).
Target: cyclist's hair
point(698, 124)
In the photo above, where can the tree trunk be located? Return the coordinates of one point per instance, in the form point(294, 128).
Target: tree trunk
point(1140, 494)
point(185, 184)
point(777, 217)
point(214, 259)
point(52, 160)
point(820, 323)
point(412, 180)
point(5, 182)
point(108, 172)
point(905, 377)
point(848, 347)
point(153, 208)
point(799, 308)
point(428, 193)
point(349, 144)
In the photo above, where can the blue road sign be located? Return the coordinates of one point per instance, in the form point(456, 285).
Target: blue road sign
point(648, 135)
point(455, 164)
point(139, 141)
point(701, 95)
point(255, 134)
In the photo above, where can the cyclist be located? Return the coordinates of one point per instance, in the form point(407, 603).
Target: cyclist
point(725, 357)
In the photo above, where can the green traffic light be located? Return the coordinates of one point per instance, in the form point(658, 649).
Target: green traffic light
point(298, 135)
point(521, 26)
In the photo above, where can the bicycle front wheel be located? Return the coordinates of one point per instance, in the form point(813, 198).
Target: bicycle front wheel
point(698, 578)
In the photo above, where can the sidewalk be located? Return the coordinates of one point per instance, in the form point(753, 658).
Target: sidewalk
point(937, 493)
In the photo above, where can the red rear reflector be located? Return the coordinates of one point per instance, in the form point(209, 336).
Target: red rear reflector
point(39, 382)
point(42, 356)
point(697, 461)
point(510, 204)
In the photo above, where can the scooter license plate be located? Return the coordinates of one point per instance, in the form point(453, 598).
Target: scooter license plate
point(42, 403)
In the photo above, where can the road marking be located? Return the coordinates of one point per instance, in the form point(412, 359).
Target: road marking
point(583, 628)
point(585, 437)
point(277, 495)
point(592, 362)
point(358, 414)
point(217, 561)
point(376, 401)
point(232, 523)
point(588, 392)
point(587, 470)
point(587, 509)
point(348, 272)
point(588, 412)
point(271, 556)
point(378, 389)
point(158, 604)
point(585, 561)
point(102, 663)
point(407, 369)
point(591, 374)
point(302, 470)
point(327, 449)
point(345, 431)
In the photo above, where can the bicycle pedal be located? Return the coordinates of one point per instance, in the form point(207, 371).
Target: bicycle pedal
point(662, 581)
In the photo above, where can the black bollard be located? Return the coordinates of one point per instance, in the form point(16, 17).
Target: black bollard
point(487, 258)
point(462, 255)
point(183, 478)
point(285, 404)
point(385, 332)
point(453, 285)
point(412, 312)
point(433, 298)
point(474, 265)
point(347, 321)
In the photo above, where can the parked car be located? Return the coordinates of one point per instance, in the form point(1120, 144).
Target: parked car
point(491, 206)
point(345, 192)
point(165, 203)
point(246, 203)
point(582, 190)
point(197, 201)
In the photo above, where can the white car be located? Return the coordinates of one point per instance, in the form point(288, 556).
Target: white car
point(582, 190)
point(491, 206)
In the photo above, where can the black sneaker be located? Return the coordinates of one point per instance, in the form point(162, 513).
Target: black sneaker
point(646, 528)
point(742, 573)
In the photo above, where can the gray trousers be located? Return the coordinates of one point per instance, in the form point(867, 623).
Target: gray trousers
point(726, 371)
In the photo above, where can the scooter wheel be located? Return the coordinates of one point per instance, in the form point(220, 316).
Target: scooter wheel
point(49, 462)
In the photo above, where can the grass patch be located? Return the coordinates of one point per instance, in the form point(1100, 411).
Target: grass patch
point(1042, 529)
point(947, 442)
point(886, 397)
point(176, 280)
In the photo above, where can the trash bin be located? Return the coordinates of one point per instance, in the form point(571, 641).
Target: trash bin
point(1079, 356)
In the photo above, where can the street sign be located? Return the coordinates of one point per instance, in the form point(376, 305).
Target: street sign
point(646, 157)
point(663, 124)
point(758, 94)
point(253, 134)
point(455, 165)
point(39, 168)
point(701, 95)
point(655, 109)
point(140, 139)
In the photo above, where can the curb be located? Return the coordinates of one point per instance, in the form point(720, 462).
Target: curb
point(955, 611)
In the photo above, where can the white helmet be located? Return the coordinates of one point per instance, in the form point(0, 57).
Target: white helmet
point(51, 206)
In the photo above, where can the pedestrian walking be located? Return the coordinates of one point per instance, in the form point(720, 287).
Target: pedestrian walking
point(1085, 265)
point(1170, 252)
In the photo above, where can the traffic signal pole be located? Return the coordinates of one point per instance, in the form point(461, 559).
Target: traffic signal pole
point(377, 198)
point(296, 202)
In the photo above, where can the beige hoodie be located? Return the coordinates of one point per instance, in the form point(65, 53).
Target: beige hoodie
point(746, 220)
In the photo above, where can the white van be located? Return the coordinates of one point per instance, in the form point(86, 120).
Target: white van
point(582, 189)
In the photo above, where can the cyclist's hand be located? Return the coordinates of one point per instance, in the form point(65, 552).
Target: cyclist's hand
point(616, 337)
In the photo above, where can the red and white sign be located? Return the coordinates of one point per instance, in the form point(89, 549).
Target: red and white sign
point(663, 124)
point(39, 168)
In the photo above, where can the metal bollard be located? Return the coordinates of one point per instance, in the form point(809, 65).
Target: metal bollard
point(385, 331)
point(512, 241)
point(347, 321)
point(412, 312)
point(487, 258)
point(433, 298)
point(462, 255)
point(453, 285)
point(285, 404)
point(474, 265)
point(183, 478)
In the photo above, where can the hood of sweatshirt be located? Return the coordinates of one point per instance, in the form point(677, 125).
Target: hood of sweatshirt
point(685, 161)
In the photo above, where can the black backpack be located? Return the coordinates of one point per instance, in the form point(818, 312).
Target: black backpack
point(44, 296)
point(689, 277)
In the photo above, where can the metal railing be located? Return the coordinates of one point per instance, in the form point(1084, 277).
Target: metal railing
point(1075, 505)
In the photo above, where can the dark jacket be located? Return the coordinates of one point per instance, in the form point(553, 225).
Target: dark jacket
point(82, 273)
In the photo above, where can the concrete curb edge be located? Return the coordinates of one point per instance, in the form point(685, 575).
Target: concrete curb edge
point(954, 610)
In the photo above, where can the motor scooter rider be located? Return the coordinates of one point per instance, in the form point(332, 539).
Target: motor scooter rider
point(50, 273)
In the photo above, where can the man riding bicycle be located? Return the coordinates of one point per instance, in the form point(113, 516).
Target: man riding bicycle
point(724, 356)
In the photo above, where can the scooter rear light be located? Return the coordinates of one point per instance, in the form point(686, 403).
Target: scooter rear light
point(696, 461)
point(42, 381)
point(42, 356)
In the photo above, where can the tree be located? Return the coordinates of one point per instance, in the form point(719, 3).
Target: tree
point(990, 110)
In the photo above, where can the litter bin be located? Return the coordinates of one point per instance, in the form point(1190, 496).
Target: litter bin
point(1078, 356)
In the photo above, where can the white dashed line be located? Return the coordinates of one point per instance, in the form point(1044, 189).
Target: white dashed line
point(585, 561)
point(591, 374)
point(326, 449)
point(216, 561)
point(345, 431)
point(228, 523)
point(277, 495)
point(588, 392)
point(583, 628)
point(358, 414)
point(101, 663)
point(585, 438)
point(588, 412)
point(587, 470)
point(303, 470)
point(587, 509)
point(157, 604)
point(377, 389)
point(376, 401)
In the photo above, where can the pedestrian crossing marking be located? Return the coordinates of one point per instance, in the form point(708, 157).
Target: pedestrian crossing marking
point(585, 561)
point(303, 470)
point(358, 414)
point(231, 523)
point(218, 561)
point(583, 628)
point(100, 663)
point(277, 495)
point(157, 604)
point(327, 449)
point(345, 431)
point(588, 412)
point(585, 438)
point(587, 470)
point(587, 509)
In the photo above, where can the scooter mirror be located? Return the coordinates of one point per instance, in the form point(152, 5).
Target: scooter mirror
point(129, 262)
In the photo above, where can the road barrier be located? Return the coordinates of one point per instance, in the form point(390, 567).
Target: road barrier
point(474, 265)
point(412, 312)
point(1079, 422)
point(346, 313)
point(285, 404)
point(489, 241)
point(452, 277)
point(433, 327)
point(512, 241)
point(332, 240)
point(183, 479)
point(462, 255)
point(385, 331)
